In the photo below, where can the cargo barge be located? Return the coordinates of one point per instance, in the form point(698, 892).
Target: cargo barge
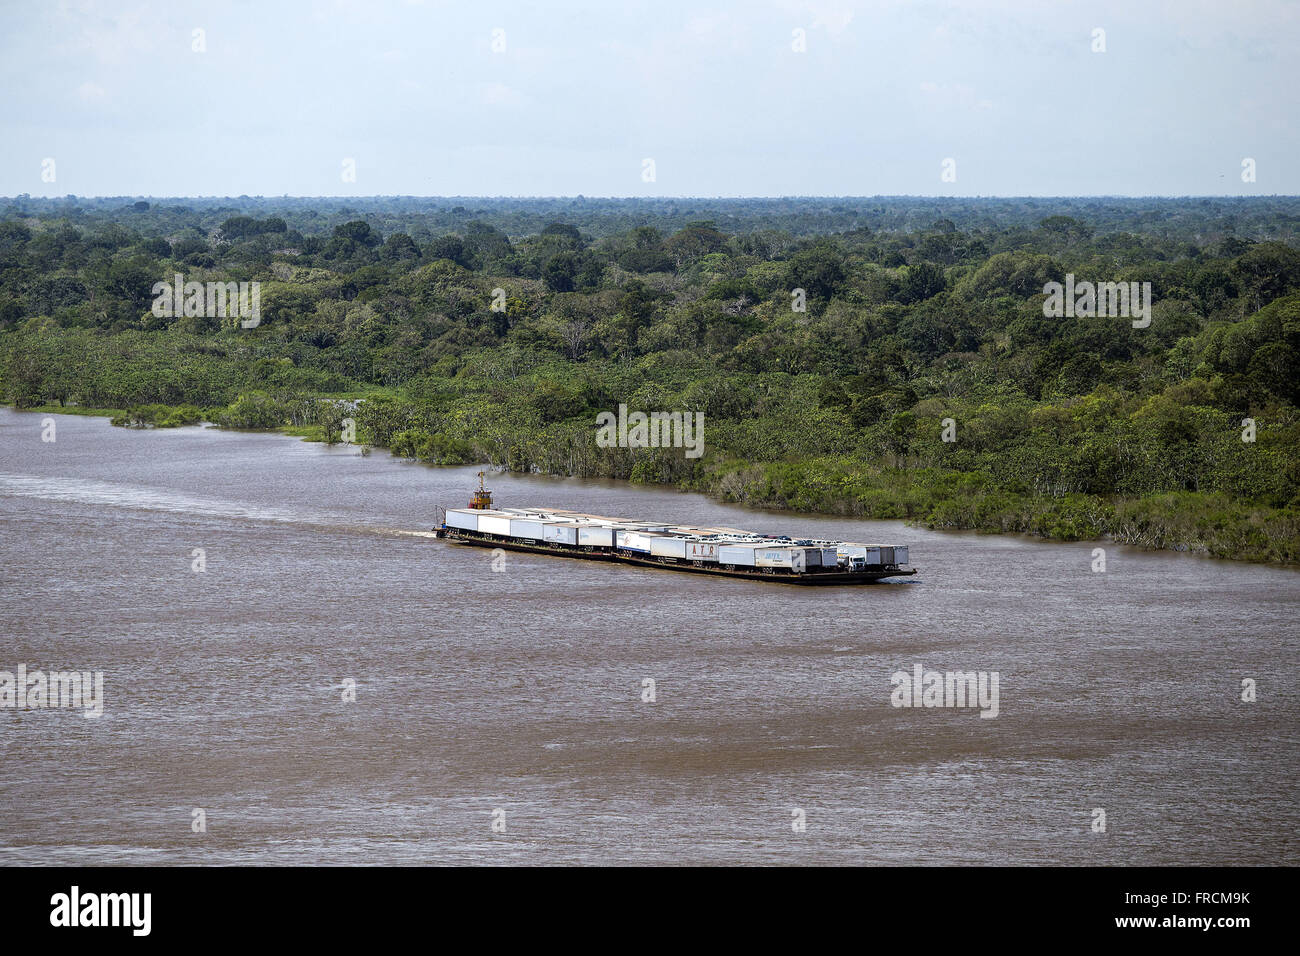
point(724, 552)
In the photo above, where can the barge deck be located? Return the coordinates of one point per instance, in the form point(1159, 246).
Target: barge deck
point(721, 552)
point(811, 577)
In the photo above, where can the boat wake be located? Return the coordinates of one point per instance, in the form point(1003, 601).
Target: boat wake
point(84, 491)
point(90, 492)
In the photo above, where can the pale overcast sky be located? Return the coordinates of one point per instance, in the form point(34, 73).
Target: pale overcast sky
point(715, 93)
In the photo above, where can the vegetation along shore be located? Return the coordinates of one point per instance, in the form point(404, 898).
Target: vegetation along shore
point(882, 358)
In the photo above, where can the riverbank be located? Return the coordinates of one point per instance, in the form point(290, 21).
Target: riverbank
point(1210, 524)
point(1202, 523)
point(167, 416)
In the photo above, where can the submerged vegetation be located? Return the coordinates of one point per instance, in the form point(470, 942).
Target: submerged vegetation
point(920, 380)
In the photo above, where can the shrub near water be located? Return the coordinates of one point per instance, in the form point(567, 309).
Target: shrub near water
point(159, 416)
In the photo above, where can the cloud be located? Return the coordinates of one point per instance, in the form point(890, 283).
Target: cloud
point(89, 92)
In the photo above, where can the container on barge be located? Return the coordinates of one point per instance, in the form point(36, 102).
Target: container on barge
point(728, 552)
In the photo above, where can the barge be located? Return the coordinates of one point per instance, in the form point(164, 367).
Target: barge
point(723, 552)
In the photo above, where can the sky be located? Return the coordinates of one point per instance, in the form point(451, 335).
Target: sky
point(634, 98)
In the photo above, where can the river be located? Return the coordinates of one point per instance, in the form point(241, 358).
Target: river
point(500, 716)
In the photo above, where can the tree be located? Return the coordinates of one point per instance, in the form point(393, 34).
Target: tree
point(1212, 289)
point(921, 281)
point(564, 231)
point(452, 248)
point(358, 231)
point(329, 416)
point(400, 246)
point(818, 270)
point(575, 333)
point(1268, 270)
point(560, 271)
point(696, 240)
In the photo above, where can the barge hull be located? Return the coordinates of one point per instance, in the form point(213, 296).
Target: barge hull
point(807, 578)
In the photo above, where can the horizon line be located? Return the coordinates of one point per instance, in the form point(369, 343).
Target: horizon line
point(583, 197)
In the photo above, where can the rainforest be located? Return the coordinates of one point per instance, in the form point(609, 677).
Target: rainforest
point(884, 357)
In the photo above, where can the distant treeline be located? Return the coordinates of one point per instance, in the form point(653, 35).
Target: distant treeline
point(830, 364)
point(1196, 220)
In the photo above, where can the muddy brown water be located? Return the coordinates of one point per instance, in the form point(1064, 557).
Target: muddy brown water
point(522, 690)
